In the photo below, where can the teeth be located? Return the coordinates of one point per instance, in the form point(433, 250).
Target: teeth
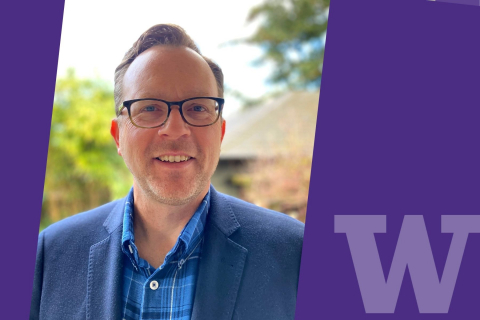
point(173, 158)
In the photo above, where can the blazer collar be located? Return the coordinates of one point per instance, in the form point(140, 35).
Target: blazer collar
point(221, 213)
point(115, 218)
point(219, 275)
point(105, 269)
point(221, 266)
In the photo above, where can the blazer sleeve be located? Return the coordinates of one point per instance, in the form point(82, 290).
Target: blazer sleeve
point(37, 281)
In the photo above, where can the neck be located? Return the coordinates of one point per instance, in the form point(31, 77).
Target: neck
point(158, 225)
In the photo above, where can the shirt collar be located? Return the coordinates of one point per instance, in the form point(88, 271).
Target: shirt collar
point(189, 235)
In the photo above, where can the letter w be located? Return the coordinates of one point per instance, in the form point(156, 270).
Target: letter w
point(413, 250)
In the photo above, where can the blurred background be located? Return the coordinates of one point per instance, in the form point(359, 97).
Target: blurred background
point(271, 53)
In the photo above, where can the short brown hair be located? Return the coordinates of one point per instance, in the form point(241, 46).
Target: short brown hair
point(160, 34)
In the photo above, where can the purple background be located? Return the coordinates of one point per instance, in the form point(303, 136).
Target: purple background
point(468, 2)
point(30, 38)
point(398, 132)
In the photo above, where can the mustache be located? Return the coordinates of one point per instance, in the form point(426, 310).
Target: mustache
point(174, 146)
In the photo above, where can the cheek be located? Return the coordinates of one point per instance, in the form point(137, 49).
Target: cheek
point(207, 145)
point(213, 143)
point(131, 140)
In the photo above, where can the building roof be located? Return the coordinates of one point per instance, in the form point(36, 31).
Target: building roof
point(278, 126)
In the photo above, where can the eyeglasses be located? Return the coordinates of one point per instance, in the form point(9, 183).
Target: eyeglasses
point(153, 113)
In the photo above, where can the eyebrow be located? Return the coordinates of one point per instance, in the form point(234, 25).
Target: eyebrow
point(146, 95)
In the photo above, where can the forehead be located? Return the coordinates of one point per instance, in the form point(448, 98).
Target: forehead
point(170, 73)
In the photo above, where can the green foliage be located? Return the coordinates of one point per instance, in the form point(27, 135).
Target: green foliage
point(83, 167)
point(291, 33)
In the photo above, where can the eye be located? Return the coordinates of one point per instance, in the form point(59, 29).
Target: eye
point(150, 108)
point(198, 108)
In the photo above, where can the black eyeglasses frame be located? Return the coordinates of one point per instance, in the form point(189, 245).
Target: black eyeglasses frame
point(128, 103)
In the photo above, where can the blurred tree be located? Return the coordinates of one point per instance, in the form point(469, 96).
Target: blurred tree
point(281, 183)
point(291, 34)
point(278, 174)
point(83, 168)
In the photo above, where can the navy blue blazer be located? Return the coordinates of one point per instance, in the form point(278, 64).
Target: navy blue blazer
point(248, 269)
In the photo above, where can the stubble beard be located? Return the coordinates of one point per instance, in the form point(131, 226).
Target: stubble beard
point(177, 195)
point(173, 189)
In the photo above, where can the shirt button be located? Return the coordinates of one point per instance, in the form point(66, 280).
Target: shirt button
point(154, 285)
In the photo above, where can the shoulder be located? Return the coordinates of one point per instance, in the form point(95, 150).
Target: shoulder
point(266, 225)
point(88, 225)
point(272, 244)
point(249, 213)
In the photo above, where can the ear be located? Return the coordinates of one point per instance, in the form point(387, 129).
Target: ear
point(115, 132)
point(223, 129)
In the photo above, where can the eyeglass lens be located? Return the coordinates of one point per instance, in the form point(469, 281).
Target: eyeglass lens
point(151, 113)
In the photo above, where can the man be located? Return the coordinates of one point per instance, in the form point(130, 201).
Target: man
point(174, 248)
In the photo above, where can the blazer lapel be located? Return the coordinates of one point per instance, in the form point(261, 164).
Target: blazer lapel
point(221, 267)
point(219, 275)
point(104, 286)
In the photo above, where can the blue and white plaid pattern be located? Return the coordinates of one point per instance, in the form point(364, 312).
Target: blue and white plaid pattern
point(167, 292)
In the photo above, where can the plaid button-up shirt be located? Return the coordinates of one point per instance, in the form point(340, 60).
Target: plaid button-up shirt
point(166, 292)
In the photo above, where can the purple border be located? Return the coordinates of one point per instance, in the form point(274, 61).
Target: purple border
point(467, 2)
point(410, 88)
point(398, 133)
point(30, 43)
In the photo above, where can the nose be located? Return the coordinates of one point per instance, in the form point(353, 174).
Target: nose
point(175, 127)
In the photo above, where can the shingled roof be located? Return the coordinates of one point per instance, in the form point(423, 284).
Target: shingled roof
point(272, 128)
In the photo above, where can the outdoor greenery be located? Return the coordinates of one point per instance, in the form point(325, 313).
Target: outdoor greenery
point(292, 36)
point(83, 168)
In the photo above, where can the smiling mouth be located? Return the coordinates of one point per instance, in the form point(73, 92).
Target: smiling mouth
point(174, 158)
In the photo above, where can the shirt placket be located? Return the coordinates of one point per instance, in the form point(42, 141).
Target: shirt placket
point(153, 289)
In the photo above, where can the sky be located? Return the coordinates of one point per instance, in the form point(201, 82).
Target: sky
point(96, 35)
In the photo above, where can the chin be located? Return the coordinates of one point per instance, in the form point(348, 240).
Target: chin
point(175, 199)
point(182, 194)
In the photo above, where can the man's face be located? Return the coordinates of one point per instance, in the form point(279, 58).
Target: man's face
point(171, 74)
